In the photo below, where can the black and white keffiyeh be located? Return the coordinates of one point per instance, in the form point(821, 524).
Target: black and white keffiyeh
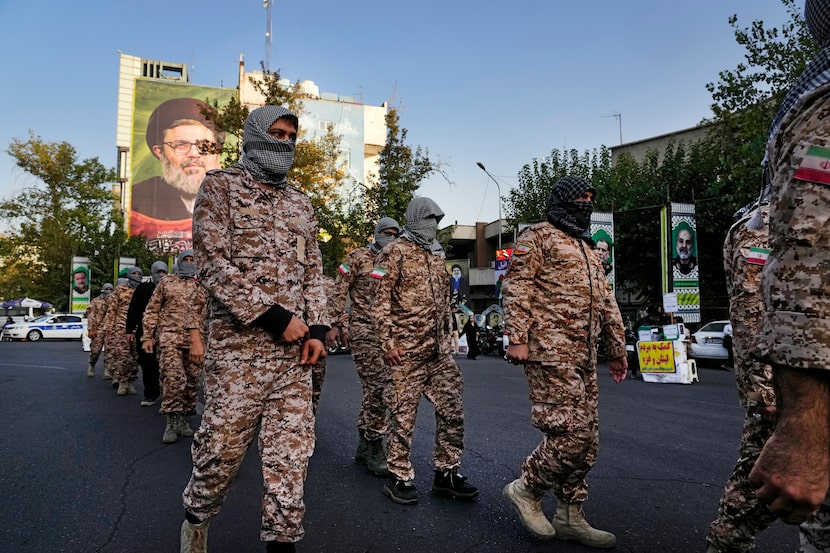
point(422, 218)
point(265, 157)
point(567, 214)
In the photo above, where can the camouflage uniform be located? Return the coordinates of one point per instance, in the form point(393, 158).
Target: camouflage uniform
point(412, 312)
point(124, 356)
point(354, 280)
point(550, 267)
point(256, 247)
point(795, 331)
point(164, 319)
point(95, 314)
point(318, 370)
point(109, 336)
point(740, 514)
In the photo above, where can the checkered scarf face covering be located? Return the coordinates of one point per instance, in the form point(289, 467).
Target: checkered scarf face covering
point(817, 72)
point(422, 218)
point(265, 157)
point(564, 211)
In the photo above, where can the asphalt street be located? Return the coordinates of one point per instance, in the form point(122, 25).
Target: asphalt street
point(84, 470)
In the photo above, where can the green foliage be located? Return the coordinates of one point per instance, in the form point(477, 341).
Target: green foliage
point(64, 214)
point(401, 170)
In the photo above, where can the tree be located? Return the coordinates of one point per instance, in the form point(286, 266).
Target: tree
point(64, 214)
point(401, 169)
point(746, 98)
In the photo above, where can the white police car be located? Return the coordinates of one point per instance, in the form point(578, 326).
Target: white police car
point(55, 325)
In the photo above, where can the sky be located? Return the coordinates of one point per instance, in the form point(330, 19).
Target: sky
point(475, 80)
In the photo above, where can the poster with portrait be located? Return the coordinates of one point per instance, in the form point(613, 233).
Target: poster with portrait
point(459, 270)
point(79, 285)
point(682, 259)
point(174, 144)
point(602, 233)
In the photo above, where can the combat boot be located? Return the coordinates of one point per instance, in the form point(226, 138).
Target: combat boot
point(400, 491)
point(122, 388)
point(107, 374)
point(131, 389)
point(194, 537)
point(280, 547)
point(376, 461)
point(361, 456)
point(170, 435)
point(90, 370)
point(452, 484)
point(528, 504)
point(570, 524)
point(183, 426)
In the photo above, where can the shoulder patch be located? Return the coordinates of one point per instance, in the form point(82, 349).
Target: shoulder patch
point(758, 256)
point(815, 166)
point(377, 272)
point(344, 268)
point(522, 248)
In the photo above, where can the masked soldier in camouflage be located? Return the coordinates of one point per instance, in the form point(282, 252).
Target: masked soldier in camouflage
point(411, 316)
point(792, 474)
point(255, 243)
point(124, 357)
point(356, 329)
point(164, 325)
point(95, 314)
point(107, 330)
point(557, 302)
point(740, 514)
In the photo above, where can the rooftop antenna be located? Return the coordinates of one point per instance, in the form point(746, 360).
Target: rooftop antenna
point(618, 116)
point(267, 63)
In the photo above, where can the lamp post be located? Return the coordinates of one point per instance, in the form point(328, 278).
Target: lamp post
point(481, 165)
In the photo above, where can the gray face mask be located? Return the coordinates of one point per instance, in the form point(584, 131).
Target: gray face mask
point(186, 270)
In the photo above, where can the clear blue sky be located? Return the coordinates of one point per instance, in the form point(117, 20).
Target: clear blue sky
point(497, 82)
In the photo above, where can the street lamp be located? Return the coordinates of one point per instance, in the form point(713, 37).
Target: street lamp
point(481, 165)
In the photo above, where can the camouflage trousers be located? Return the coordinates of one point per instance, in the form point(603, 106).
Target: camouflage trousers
point(439, 380)
point(318, 375)
point(740, 514)
point(124, 358)
point(109, 352)
point(179, 379)
point(95, 348)
point(815, 533)
point(564, 400)
point(374, 377)
point(244, 395)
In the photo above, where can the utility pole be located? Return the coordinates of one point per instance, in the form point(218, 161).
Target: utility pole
point(266, 65)
point(618, 116)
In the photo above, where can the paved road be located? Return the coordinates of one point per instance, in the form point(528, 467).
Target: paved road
point(86, 471)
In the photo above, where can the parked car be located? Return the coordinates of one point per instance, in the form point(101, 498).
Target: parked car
point(707, 343)
point(56, 325)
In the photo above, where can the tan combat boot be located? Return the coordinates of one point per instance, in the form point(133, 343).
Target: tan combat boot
point(570, 524)
point(90, 370)
point(122, 388)
point(528, 504)
point(170, 435)
point(194, 537)
point(107, 374)
point(131, 389)
point(183, 426)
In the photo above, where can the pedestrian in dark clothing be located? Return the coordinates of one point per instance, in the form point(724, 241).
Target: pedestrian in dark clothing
point(471, 332)
point(148, 361)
